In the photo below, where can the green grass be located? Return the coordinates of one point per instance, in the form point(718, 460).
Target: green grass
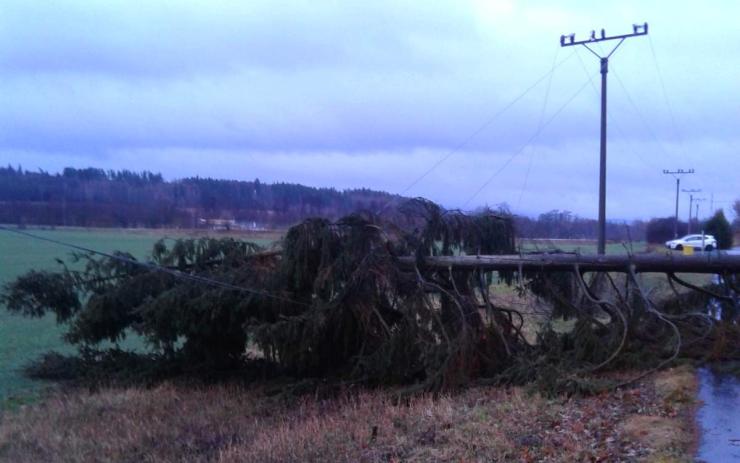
point(23, 339)
point(581, 246)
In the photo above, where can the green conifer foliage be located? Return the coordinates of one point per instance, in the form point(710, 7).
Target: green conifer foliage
point(720, 228)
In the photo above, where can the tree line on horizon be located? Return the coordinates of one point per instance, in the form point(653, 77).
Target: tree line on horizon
point(92, 197)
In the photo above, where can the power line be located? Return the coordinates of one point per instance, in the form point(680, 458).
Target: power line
point(476, 132)
point(639, 114)
point(155, 267)
point(539, 125)
point(676, 132)
point(530, 140)
point(614, 120)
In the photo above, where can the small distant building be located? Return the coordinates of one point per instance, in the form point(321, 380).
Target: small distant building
point(251, 226)
point(218, 224)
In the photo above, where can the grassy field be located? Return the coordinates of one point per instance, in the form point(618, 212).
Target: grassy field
point(581, 246)
point(23, 339)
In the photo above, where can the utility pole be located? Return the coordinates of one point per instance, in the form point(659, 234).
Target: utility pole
point(691, 204)
point(677, 175)
point(696, 215)
point(568, 41)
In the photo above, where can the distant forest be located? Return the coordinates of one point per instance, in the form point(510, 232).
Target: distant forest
point(97, 198)
point(93, 197)
point(560, 224)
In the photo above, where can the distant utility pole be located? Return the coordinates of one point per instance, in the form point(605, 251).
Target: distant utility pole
point(677, 175)
point(696, 215)
point(691, 204)
point(568, 41)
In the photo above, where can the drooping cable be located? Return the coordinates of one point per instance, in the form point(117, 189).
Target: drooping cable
point(614, 122)
point(476, 132)
point(524, 146)
point(639, 113)
point(539, 126)
point(676, 131)
point(155, 267)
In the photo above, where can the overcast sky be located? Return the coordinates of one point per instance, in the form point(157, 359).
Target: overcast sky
point(375, 93)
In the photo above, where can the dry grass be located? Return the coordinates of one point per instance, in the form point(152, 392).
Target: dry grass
point(676, 384)
point(667, 433)
point(235, 424)
point(657, 432)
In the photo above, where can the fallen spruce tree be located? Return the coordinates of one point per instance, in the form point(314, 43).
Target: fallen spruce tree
point(334, 301)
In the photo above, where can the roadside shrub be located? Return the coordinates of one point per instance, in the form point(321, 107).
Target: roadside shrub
point(660, 230)
point(720, 228)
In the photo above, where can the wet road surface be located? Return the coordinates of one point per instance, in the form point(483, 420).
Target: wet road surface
point(719, 417)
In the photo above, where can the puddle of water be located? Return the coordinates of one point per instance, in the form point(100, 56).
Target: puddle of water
point(719, 417)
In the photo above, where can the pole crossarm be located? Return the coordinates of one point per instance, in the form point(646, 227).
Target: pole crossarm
point(569, 40)
point(678, 172)
point(712, 263)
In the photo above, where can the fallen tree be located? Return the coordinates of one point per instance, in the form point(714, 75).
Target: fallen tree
point(712, 263)
point(369, 301)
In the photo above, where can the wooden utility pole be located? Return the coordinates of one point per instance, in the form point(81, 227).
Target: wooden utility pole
point(677, 175)
point(691, 204)
point(568, 41)
point(696, 214)
point(713, 263)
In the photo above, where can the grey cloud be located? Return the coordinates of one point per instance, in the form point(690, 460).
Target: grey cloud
point(374, 93)
point(160, 39)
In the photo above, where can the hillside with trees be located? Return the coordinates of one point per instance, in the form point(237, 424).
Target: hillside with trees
point(97, 198)
point(92, 197)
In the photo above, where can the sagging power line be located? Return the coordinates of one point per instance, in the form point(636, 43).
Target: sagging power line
point(477, 131)
point(531, 139)
point(154, 267)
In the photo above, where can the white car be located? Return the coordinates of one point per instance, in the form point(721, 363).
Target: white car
point(698, 242)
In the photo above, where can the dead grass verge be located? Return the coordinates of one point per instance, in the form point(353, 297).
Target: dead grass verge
point(230, 424)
